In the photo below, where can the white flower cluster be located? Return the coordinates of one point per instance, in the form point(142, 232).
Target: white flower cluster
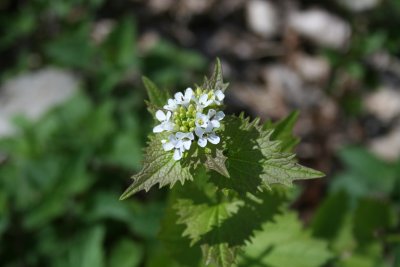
point(188, 117)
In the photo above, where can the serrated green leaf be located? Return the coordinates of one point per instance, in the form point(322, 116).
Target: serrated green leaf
point(282, 131)
point(171, 235)
point(157, 97)
point(221, 255)
point(158, 168)
point(211, 219)
point(285, 243)
point(202, 218)
point(216, 81)
point(255, 160)
point(217, 163)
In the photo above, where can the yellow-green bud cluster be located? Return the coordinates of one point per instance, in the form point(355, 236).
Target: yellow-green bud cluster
point(185, 118)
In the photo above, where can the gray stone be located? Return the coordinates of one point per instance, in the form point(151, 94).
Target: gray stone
point(32, 94)
point(321, 27)
point(262, 18)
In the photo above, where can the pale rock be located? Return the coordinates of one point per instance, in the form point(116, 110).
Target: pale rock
point(32, 94)
point(101, 30)
point(321, 27)
point(262, 17)
point(292, 87)
point(387, 147)
point(312, 69)
point(159, 6)
point(384, 104)
point(264, 103)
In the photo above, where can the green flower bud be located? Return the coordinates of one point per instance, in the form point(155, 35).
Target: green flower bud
point(182, 109)
point(192, 123)
point(191, 129)
point(177, 122)
point(199, 91)
point(183, 129)
point(191, 108)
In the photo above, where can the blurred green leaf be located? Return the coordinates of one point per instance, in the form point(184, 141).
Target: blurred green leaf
point(366, 174)
point(334, 206)
point(89, 251)
point(72, 48)
point(371, 219)
point(126, 253)
point(119, 50)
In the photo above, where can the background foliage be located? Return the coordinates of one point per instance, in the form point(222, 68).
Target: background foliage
point(61, 176)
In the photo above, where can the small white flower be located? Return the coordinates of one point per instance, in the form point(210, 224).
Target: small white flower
point(166, 124)
point(215, 117)
point(184, 99)
point(204, 101)
point(172, 105)
point(202, 120)
point(180, 142)
point(218, 97)
point(206, 135)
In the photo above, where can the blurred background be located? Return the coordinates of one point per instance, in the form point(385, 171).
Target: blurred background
point(73, 120)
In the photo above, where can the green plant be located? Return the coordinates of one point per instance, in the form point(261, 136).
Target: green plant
point(229, 190)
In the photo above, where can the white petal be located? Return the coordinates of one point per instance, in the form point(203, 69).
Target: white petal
point(158, 129)
point(188, 93)
point(177, 154)
point(160, 115)
point(209, 102)
point(203, 99)
point(168, 115)
point(179, 144)
point(171, 105)
point(168, 126)
point(202, 142)
point(186, 144)
point(215, 124)
point(180, 135)
point(199, 131)
point(173, 139)
point(211, 113)
point(168, 146)
point(179, 96)
point(220, 95)
point(190, 136)
point(213, 138)
point(220, 115)
point(209, 128)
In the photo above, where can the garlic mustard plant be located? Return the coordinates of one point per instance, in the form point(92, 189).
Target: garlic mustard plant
point(227, 166)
